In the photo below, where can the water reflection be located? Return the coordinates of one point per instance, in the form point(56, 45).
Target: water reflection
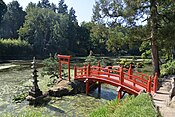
point(108, 92)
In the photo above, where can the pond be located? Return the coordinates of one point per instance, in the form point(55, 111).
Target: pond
point(17, 80)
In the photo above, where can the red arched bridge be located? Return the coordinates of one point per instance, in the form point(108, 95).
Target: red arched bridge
point(126, 80)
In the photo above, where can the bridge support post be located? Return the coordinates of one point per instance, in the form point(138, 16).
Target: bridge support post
point(87, 86)
point(99, 89)
point(119, 90)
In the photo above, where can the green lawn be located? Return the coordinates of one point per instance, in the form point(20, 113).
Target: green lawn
point(140, 106)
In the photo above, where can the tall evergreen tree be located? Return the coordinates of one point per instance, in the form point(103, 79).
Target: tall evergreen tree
point(72, 15)
point(3, 9)
point(45, 30)
point(53, 7)
point(62, 7)
point(44, 4)
point(12, 21)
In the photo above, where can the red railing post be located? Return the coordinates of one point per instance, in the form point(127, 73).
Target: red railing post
point(85, 70)
point(99, 67)
point(88, 69)
point(130, 72)
point(75, 71)
point(60, 68)
point(121, 75)
point(149, 85)
point(108, 72)
point(155, 82)
point(69, 69)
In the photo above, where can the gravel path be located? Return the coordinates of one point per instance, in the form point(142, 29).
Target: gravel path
point(7, 66)
point(161, 99)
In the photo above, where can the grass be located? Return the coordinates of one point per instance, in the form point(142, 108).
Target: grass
point(140, 106)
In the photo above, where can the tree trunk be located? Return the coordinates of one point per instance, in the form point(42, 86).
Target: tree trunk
point(154, 47)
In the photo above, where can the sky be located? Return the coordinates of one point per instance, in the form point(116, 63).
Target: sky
point(83, 8)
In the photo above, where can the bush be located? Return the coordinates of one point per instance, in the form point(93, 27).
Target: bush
point(139, 65)
point(147, 61)
point(50, 66)
point(13, 48)
point(168, 68)
point(91, 59)
point(105, 62)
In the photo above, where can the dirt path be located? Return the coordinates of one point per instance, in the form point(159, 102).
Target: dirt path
point(161, 99)
point(7, 66)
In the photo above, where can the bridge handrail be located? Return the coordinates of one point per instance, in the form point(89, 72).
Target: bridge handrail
point(137, 78)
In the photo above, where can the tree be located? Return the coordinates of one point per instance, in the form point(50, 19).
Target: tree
point(72, 15)
point(99, 37)
point(62, 7)
point(167, 29)
point(131, 14)
point(53, 7)
point(3, 9)
point(44, 30)
point(44, 4)
point(30, 6)
point(12, 21)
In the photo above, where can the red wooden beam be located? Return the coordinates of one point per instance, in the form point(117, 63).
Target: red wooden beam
point(64, 59)
point(155, 82)
point(149, 85)
point(130, 72)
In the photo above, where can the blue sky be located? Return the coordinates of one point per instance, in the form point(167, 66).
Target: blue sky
point(83, 8)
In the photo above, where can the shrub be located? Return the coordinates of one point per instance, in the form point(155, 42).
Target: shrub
point(123, 62)
point(105, 62)
point(127, 64)
point(50, 66)
point(91, 59)
point(147, 61)
point(168, 68)
point(139, 65)
point(12, 48)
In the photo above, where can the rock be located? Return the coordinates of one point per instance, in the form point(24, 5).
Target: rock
point(36, 100)
point(172, 91)
point(64, 87)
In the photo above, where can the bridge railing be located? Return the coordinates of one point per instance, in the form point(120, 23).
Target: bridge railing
point(120, 75)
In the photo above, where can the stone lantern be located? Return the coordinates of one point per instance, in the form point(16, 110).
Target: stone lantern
point(35, 96)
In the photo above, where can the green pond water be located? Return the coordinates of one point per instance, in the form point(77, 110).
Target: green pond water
point(17, 80)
